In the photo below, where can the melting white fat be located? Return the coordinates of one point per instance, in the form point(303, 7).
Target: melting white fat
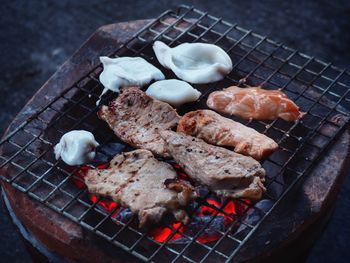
point(127, 72)
point(76, 147)
point(194, 62)
point(173, 91)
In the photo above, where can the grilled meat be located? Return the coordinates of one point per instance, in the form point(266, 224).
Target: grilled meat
point(215, 129)
point(137, 119)
point(254, 103)
point(225, 172)
point(140, 182)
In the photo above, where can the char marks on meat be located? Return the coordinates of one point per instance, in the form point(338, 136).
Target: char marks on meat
point(225, 172)
point(217, 130)
point(140, 182)
point(254, 103)
point(137, 119)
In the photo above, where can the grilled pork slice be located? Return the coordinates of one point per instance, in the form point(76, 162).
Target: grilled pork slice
point(225, 172)
point(145, 185)
point(137, 119)
point(215, 129)
point(254, 103)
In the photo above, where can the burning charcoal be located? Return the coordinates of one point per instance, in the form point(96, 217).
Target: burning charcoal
point(199, 222)
point(254, 215)
point(193, 206)
point(100, 158)
point(124, 215)
point(104, 153)
point(182, 240)
point(202, 191)
point(111, 149)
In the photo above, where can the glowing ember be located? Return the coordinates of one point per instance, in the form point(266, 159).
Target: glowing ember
point(108, 205)
point(78, 180)
point(161, 234)
point(214, 212)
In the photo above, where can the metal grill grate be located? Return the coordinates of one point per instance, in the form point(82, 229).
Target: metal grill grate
point(320, 89)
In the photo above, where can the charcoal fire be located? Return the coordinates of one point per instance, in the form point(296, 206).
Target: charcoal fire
point(208, 213)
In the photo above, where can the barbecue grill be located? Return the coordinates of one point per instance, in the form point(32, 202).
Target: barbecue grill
point(320, 89)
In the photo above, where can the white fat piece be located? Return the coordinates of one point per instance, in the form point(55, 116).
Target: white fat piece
point(127, 72)
point(76, 147)
point(173, 91)
point(194, 62)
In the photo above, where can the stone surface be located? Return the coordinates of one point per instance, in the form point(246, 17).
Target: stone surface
point(38, 36)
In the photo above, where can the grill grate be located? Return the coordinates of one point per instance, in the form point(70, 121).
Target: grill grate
point(321, 90)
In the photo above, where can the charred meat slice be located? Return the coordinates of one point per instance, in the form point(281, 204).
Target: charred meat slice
point(140, 182)
point(225, 172)
point(215, 129)
point(137, 119)
point(254, 103)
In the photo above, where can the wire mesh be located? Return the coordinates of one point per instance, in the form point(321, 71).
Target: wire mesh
point(320, 89)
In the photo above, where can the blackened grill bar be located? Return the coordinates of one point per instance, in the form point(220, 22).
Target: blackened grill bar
point(321, 90)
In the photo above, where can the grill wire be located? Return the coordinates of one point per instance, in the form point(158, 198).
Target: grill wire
point(322, 91)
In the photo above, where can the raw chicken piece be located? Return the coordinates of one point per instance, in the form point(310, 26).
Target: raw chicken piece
point(254, 103)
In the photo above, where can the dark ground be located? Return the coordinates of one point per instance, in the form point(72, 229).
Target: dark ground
point(37, 36)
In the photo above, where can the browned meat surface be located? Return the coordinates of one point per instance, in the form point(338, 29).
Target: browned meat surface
point(215, 129)
point(223, 171)
point(140, 182)
point(137, 119)
point(254, 103)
